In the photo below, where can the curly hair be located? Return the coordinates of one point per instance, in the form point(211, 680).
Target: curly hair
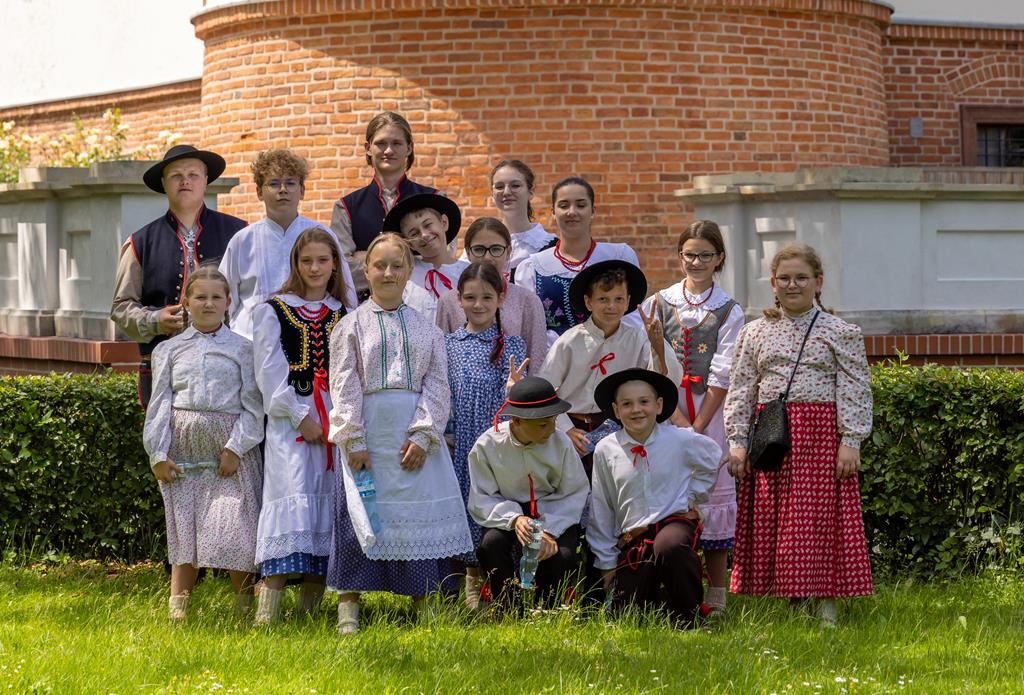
point(281, 163)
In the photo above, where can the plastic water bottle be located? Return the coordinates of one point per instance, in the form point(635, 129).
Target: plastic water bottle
point(368, 496)
point(531, 554)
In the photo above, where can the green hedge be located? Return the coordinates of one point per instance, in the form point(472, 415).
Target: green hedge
point(73, 473)
point(942, 485)
point(942, 482)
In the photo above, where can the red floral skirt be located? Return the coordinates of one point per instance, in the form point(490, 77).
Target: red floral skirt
point(799, 531)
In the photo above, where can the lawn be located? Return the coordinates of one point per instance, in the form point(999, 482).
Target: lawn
point(68, 628)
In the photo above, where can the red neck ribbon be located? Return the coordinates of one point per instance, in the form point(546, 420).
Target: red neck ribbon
point(433, 277)
point(600, 363)
point(639, 452)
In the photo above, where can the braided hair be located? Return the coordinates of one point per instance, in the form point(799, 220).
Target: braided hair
point(486, 272)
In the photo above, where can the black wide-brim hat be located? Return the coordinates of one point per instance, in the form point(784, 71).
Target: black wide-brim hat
point(153, 177)
point(532, 398)
point(636, 284)
point(422, 201)
point(604, 394)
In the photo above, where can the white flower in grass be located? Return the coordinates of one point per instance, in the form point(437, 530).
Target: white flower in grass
point(8, 126)
point(840, 679)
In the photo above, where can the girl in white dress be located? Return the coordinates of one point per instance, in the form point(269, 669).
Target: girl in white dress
point(291, 332)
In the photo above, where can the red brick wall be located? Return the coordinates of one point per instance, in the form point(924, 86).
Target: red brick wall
point(931, 71)
point(637, 97)
point(146, 112)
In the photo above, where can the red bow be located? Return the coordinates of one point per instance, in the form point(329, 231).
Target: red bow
point(600, 363)
point(638, 452)
point(431, 281)
point(688, 379)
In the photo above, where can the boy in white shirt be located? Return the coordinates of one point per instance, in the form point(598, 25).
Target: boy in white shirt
point(256, 259)
point(430, 223)
point(648, 479)
point(523, 470)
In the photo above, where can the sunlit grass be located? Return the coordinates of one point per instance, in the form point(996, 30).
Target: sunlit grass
point(89, 628)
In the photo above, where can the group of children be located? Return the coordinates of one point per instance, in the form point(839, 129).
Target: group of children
point(455, 415)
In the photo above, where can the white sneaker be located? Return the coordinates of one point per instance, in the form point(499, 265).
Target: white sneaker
point(348, 617)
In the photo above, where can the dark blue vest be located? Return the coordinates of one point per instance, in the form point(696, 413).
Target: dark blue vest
point(554, 295)
point(160, 251)
point(366, 209)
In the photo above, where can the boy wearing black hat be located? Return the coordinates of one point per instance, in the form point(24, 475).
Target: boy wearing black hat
point(648, 479)
point(521, 470)
point(156, 261)
point(430, 223)
point(603, 345)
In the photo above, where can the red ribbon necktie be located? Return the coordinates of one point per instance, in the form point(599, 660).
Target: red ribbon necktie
point(689, 379)
point(433, 276)
point(533, 500)
point(600, 363)
point(510, 402)
point(639, 452)
point(320, 388)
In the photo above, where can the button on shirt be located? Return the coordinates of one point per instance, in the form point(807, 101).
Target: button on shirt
point(632, 491)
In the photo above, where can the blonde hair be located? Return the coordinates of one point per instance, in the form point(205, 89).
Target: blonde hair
point(294, 284)
point(206, 271)
point(389, 238)
point(800, 252)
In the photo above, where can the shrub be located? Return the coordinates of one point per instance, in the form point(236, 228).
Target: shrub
point(942, 482)
point(73, 473)
point(942, 485)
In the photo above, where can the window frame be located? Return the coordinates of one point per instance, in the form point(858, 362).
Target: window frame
point(973, 116)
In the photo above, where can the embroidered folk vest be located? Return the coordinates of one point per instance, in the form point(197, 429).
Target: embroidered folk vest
point(304, 340)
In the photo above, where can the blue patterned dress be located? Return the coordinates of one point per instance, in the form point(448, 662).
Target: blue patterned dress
point(478, 390)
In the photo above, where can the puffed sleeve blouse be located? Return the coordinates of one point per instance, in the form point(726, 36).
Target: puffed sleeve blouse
point(373, 349)
point(833, 368)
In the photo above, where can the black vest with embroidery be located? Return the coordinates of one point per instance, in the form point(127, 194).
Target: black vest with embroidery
point(305, 342)
point(696, 346)
point(160, 252)
point(367, 212)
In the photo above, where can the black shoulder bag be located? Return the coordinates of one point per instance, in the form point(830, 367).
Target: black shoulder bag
point(769, 430)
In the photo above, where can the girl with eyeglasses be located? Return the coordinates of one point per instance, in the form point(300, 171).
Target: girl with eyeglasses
point(522, 314)
point(799, 529)
point(701, 323)
point(512, 190)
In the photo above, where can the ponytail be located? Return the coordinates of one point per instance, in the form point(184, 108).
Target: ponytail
point(499, 342)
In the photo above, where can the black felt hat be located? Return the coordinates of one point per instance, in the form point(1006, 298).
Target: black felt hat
point(604, 394)
point(153, 177)
point(636, 284)
point(421, 201)
point(533, 398)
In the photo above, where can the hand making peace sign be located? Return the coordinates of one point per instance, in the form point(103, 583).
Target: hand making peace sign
point(514, 375)
point(655, 334)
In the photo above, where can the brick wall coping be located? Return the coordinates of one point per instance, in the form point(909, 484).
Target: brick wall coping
point(61, 349)
point(124, 99)
point(228, 19)
point(911, 29)
point(71, 182)
point(875, 182)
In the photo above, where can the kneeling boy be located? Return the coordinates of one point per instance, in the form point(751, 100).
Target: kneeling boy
point(649, 478)
point(523, 470)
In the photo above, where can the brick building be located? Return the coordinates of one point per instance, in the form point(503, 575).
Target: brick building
point(639, 97)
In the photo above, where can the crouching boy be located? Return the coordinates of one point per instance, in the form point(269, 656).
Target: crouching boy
point(524, 470)
point(648, 479)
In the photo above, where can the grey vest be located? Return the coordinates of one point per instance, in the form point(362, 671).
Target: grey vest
point(694, 346)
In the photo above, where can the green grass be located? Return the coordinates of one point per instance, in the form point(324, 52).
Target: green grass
point(87, 628)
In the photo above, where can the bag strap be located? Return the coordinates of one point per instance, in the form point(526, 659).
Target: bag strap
point(800, 354)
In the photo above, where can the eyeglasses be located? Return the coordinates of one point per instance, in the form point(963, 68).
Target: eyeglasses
point(692, 258)
point(786, 281)
point(496, 250)
point(287, 184)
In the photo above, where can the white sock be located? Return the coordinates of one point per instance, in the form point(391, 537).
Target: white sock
point(348, 617)
point(715, 597)
point(177, 607)
point(473, 587)
point(828, 612)
point(268, 608)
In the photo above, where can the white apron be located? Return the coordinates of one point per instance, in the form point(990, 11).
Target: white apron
point(422, 516)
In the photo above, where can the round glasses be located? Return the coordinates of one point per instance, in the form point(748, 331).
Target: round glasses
point(287, 184)
point(496, 250)
point(800, 281)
